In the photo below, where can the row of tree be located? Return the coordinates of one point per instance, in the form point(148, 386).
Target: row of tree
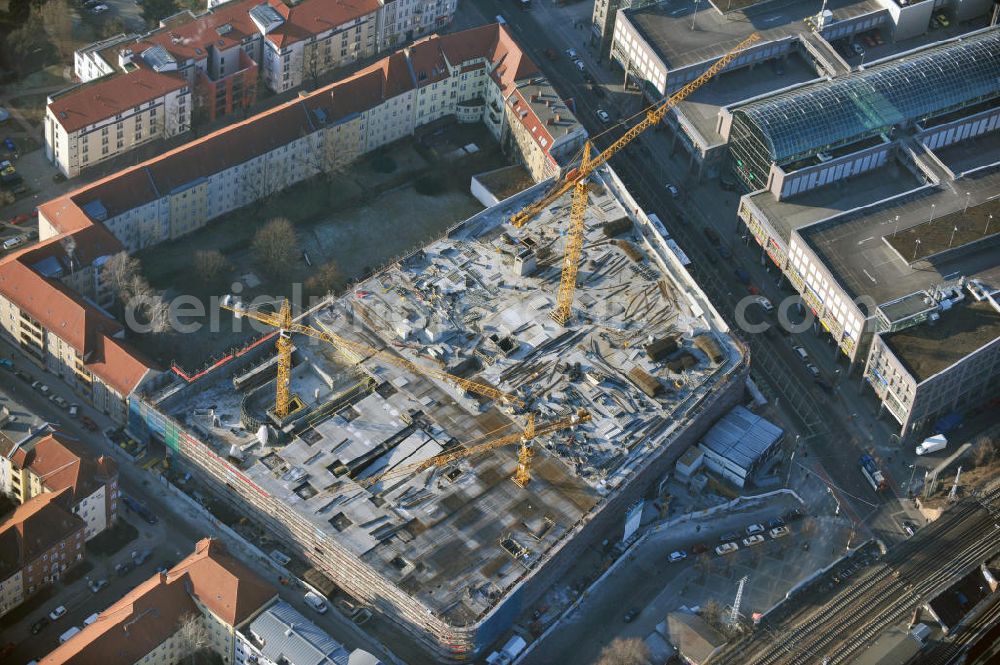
point(275, 251)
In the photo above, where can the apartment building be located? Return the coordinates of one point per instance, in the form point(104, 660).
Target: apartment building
point(950, 361)
point(93, 122)
point(209, 587)
point(50, 306)
point(46, 461)
point(137, 88)
point(478, 75)
point(39, 542)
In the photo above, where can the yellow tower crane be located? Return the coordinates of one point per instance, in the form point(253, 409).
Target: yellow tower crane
point(282, 320)
point(576, 179)
point(522, 476)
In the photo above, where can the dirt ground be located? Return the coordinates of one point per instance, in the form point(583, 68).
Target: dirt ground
point(363, 221)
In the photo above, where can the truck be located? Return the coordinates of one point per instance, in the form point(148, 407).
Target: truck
point(871, 472)
point(511, 650)
point(932, 444)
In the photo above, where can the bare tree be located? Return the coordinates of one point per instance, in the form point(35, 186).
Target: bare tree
point(625, 651)
point(325, 279)
point(210, 265)
point(195, 641)
point(275, 246)
point(121, 271)
point(6, 198)
point(711, 612)
point(987, 451)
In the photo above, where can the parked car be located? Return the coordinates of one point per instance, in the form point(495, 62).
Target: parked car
point(99, 9)
point(755, 528)
point(726, 537)
point(123, 568)
point(801, 353)
point(631, 615)
point(775, 523)
point(39, 625)
point(316, 602)
point(139, 558)
point(9, 145)
point(571, 54)
point(57, 613)
point(89, 423)
point(21, 374)
point(779, 532)
point(603, 116)
point(764, 303)
point(753, 540)
point(674, 192)
point(579, 65)
point(726, 548)
point(60, 402)
point(943, 20)
point(74, 410)
point(679, 555)
point(813, 370)
point(792, 515)
point(97, 585)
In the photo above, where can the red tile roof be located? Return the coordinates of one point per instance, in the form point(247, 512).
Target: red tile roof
point(40, 523)
point(312, 17)
point(117, 365)
point(102, 99)
point(54, 305)
point(228, 587)
point(153, 611)
point(62, 463)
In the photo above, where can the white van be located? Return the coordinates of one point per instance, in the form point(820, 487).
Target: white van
point(501, 20)
point(16, 241)
point(91, 619)
point(316, 602)
point(68, 635)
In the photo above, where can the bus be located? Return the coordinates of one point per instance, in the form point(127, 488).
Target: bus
point(871, 473)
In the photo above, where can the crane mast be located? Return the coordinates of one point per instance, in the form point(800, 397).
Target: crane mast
point(653, 116)
point(576, 180)
point(282, 320)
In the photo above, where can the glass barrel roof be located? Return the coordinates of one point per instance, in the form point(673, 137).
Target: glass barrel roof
point(866, 103)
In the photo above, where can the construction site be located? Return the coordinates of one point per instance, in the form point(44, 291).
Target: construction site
point(443, 440)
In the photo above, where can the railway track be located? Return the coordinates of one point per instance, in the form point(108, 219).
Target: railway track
point(849, 621)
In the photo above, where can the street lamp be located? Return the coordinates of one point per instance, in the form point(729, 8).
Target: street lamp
point(694, 15)
point(909, 483)
point(988, 220)
point(932, 213)
point(895, 226)
point(966, 209)
point(953, 230)
point(916, 246)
